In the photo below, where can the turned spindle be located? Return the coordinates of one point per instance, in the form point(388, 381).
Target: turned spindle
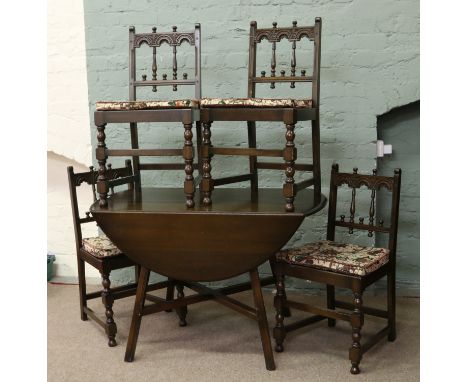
point(184, 76)
point(283, 73)
point(303, 72)
point(361, 220)
point(189, 186)
point(108, 301)
point(289, 157)
point(101, 157)
point(154, 67)
point(206, 164)
point(164, 77)
point(357, 319)
point(293, 58)
point(273, 58)
point(174, 61)
point(342, 218)
point(262, 73)
point(279, 332)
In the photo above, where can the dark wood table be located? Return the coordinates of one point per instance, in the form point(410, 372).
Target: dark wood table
point(236, 234)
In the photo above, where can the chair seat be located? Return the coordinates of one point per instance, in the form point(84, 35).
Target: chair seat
point(256, 102)
point(100, 246)
point(349, 259)
point(147, 105)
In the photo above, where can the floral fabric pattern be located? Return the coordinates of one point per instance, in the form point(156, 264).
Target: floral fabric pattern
point(147, 105)
point(256, 102)
point(336, 257)
point(100, 246)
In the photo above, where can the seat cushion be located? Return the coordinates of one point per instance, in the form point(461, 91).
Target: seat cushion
point(147, 105)
point(256, 102)
point(100, 246)
point(350, 259)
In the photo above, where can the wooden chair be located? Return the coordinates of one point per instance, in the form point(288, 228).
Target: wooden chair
point(101, 253)
point(133, 111)
point(185, 111)
point(344, 265)
point(287, 111)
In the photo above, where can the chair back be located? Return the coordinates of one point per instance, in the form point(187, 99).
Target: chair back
point(154, 40)
point(292, 34)
point(115, 176)
point(374, 183)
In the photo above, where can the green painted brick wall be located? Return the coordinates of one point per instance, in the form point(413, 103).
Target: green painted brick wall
point(370, 65)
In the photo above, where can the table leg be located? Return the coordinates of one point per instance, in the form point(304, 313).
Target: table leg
point(262, 320)
point(137, 314)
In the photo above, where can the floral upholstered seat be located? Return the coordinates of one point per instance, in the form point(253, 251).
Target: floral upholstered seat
point(100, 246)
point(256, 102)
point(147, 105)
point(336, 257)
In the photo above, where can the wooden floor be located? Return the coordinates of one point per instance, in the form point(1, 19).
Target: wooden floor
point(219, 345)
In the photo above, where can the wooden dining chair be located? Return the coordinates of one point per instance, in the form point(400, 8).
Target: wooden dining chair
point(287, 111)
point(101, 253)
point(137, 109)
point(344, 265)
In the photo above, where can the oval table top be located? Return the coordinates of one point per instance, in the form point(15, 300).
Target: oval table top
point(235, 235)
point(225, 200)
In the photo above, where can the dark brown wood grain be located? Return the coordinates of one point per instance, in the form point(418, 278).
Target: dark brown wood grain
point(236, 234)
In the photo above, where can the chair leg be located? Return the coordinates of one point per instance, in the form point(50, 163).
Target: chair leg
point(285, 309)
point(182, 311)
point(391, 306)
point(331, 303)
point(262, 320)
point(279, 333)
point(108, 301)
point(169, 294)
point(82, 288)
point(137, 314)
point(357, 320)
